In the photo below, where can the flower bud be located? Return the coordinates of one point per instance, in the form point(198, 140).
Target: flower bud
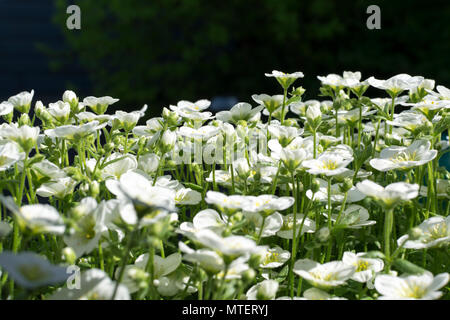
point(298, 91)
point(346, 185)
point(248, 275)
point(69, 255)
point(415, 234)
point(8, 117)
point(313, 112)
point(267, 290)
point(168, 141)
point(315, 185)
point(24, 120)
point(170, 117)
point(5, 229)
point(323, 234)
point(71, 98)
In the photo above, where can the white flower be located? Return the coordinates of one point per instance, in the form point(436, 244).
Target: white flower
point(22, 101)
point(148, 163)
point(435, 232)
point(240, 111)
point(392, 194)
point(187, 196)
point(58, 188)
point(285, 79)
point(222, 201)
point(198, 106)
point(335, 81)
point(442, 189)
point(232, 246)
point(135, 187)
point(287, 230)
point(324, 276)
point(274, 257)
point(168, 140)
point(120, 165)
point(9, 155)
point(205, 219)
point(327, 164)
point(412, 287)
point(410, 120)
point(444, 93)
point(271, 103)
point(354, 217)
point(90, 225)
point(352, 116)
point(126, 120)
point(208, 260)
point(30, 270)
point(317, 294)
point(72, 132)
point(313, 112)
point(396, 157)
point(365, 268)
point(272, 223)
point(59, 110)
point(284, 135)
point(166, 278)
point(87, 116)
point(70, 97)
point(48, 169)
point(99, 105)
point(203, 133)
point(264, 290)
point(6, 108)
point(37, 217)
point(354, 195)
point(292, 159)
point(95, 284)
point(428, 104)
point(396, 84)
point(266, 204)
point(235, 269)
point(25, 135)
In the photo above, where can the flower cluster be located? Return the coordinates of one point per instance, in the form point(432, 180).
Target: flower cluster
point(342, 198)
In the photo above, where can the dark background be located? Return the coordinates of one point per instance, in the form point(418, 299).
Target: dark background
point(159, 52)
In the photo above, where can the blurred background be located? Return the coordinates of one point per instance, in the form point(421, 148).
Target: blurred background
point(160, 52)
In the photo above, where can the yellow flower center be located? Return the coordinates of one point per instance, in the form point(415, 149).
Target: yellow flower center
point(325, 277)
point(438, 230)
point(329, 165)
point(414, 292)
point(405, 156)
point(271, 257)
point(361, 265)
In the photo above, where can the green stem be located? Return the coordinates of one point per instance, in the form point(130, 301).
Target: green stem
point(388, 223)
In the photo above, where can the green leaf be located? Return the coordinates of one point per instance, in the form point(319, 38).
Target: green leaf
point(281, 276)
point(407, 267)
point(194, 186)
point(374, 255)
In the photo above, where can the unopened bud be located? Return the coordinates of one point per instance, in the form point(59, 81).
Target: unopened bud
point(315, 185)
point(323, 234)
point(69, 255)
point(24, 120)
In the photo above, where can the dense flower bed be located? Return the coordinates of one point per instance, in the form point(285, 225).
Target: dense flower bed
point(342, 198)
